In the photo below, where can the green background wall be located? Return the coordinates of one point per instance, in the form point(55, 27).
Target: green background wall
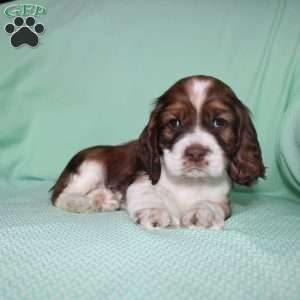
point(100, 65)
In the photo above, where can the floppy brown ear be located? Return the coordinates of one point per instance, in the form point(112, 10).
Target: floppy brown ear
point(148, 150)
point(246, 165)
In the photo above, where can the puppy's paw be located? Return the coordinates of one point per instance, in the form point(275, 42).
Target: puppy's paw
point(105, 200)
point(110, 205)
point(204, 216)
point(153, 218)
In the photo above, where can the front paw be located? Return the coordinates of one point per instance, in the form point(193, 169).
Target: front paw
point(204, 216)
point(153, 218)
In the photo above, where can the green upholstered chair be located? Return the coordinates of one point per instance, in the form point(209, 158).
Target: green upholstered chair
point(91, 80)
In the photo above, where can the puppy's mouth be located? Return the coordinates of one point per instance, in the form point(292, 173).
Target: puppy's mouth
point(200, 166)
point(196, 170)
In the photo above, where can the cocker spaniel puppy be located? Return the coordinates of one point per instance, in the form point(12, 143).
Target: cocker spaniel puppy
point(199, 139)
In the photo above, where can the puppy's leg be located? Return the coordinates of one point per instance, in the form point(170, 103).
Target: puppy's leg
point(86, 192)
point(145, 205)
point(207, 214)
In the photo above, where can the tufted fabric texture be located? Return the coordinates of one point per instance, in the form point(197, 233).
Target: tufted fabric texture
point(46, 253)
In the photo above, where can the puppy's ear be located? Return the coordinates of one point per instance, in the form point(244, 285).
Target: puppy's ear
point(148, 149)
point(246, 165)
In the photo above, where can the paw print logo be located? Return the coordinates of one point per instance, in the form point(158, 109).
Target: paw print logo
point(24, 31)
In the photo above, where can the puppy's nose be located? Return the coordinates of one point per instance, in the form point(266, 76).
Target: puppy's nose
point(196, 152)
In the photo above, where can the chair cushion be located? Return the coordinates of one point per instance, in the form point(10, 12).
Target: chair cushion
point(47, 253)
point(289, 146)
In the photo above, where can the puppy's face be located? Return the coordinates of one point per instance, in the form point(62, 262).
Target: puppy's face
point(200, 129)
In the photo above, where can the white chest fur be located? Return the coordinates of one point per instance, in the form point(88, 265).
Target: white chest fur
point(184, 193)
point(176, 194)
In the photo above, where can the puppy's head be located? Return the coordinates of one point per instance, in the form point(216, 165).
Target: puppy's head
point(200, 129)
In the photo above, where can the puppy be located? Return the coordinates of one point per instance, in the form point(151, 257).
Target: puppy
point(199, 139)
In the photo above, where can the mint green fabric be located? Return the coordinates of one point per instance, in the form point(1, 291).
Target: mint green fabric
point(289, 150)
point(91, 81)
point(47, 253)
point(100, 64)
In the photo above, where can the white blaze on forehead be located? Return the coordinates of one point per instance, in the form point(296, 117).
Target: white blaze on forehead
point(198, 92)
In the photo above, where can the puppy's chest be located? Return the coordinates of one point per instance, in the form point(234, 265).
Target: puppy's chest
point(182, 196)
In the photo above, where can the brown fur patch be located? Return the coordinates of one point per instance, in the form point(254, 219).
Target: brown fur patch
point(121, 166)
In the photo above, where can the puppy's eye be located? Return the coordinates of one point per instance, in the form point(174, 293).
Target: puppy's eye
point(174, 124)
point(218, 122)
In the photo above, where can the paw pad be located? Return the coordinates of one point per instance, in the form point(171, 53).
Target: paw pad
point(24, 31)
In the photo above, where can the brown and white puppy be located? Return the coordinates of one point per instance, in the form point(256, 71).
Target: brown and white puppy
point(198, 141)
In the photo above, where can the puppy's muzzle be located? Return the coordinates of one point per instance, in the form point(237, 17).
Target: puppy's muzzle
point(196, 153)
